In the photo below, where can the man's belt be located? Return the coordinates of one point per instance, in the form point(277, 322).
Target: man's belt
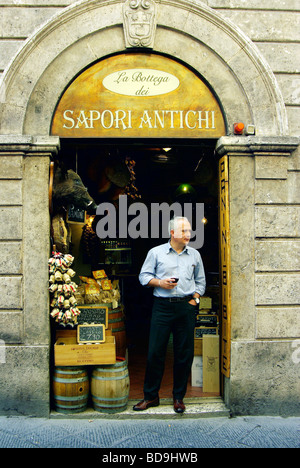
point(177, 299)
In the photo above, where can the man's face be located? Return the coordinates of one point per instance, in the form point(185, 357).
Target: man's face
point(182, 232)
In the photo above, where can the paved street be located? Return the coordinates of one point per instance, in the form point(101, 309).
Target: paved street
point(176, 434)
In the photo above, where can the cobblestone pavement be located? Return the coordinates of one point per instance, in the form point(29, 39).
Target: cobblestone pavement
point(176, 434)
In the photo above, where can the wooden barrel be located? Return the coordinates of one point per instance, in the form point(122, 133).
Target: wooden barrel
point(110, 387)
point(70, 389)
point(117, 326)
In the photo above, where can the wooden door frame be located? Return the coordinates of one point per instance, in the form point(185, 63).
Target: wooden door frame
point(225, 265)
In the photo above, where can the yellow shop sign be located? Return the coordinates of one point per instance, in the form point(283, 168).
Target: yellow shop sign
point(138, 95)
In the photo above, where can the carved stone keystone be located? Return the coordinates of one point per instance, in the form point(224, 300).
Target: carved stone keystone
point(139, 23)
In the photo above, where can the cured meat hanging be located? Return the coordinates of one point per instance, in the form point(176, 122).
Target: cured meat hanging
point(63, 304)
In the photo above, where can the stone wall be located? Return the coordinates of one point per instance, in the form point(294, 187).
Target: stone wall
point(277, 281)
point(24, 302)
point(265, 231)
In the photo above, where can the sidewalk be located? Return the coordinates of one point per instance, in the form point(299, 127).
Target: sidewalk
point(181, 432)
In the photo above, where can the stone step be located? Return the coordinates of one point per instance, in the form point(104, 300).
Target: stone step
point(195, 408)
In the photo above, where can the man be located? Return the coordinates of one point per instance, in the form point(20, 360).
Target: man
point(176, 273)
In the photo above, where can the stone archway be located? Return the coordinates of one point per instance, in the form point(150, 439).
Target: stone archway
point(189, 31)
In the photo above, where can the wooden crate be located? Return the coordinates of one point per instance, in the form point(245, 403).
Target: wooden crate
point(198, 346)
point(59, 333)
point(68, 353)
point(198, 338)
point(211, 363)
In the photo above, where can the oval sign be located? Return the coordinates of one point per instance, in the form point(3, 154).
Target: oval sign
point(141, 82)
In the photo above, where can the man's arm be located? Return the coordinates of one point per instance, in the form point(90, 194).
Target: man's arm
point(166, 283)
point(200, 281)
point(148, 273)
point(200, 277)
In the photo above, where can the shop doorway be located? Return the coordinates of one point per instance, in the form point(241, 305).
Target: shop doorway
point(162, 171)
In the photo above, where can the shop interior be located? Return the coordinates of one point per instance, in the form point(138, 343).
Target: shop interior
point(147, 172)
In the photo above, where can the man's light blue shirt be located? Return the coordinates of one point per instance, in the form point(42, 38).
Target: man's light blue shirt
point(164, 262)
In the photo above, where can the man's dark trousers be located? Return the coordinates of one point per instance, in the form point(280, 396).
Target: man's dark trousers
point(177, 318)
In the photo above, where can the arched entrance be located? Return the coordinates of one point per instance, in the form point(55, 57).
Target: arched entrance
point(154, 113)
point(83, 34)
point(188, 31)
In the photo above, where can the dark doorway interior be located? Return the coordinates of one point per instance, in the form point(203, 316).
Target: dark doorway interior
point(164, 171)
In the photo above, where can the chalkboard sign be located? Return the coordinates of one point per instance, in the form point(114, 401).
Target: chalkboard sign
point(93, 314)
point(206, 320)
point(75, 215)
point(90, 334)
point(200, 331)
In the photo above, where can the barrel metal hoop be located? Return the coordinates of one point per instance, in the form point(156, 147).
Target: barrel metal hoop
point(110, 378)
point(122, 405)
point(69, 372)
point(71, 408)
point(69, 398)
point(112, 370)
point(115, 320)
point(110, 399)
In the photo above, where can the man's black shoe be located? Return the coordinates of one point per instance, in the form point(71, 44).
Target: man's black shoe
point(145, 404)
point(179, 406)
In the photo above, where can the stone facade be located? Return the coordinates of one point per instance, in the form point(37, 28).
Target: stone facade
point(24, 220)
point(272, 26)
point(265, 275)
point(250, 55)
